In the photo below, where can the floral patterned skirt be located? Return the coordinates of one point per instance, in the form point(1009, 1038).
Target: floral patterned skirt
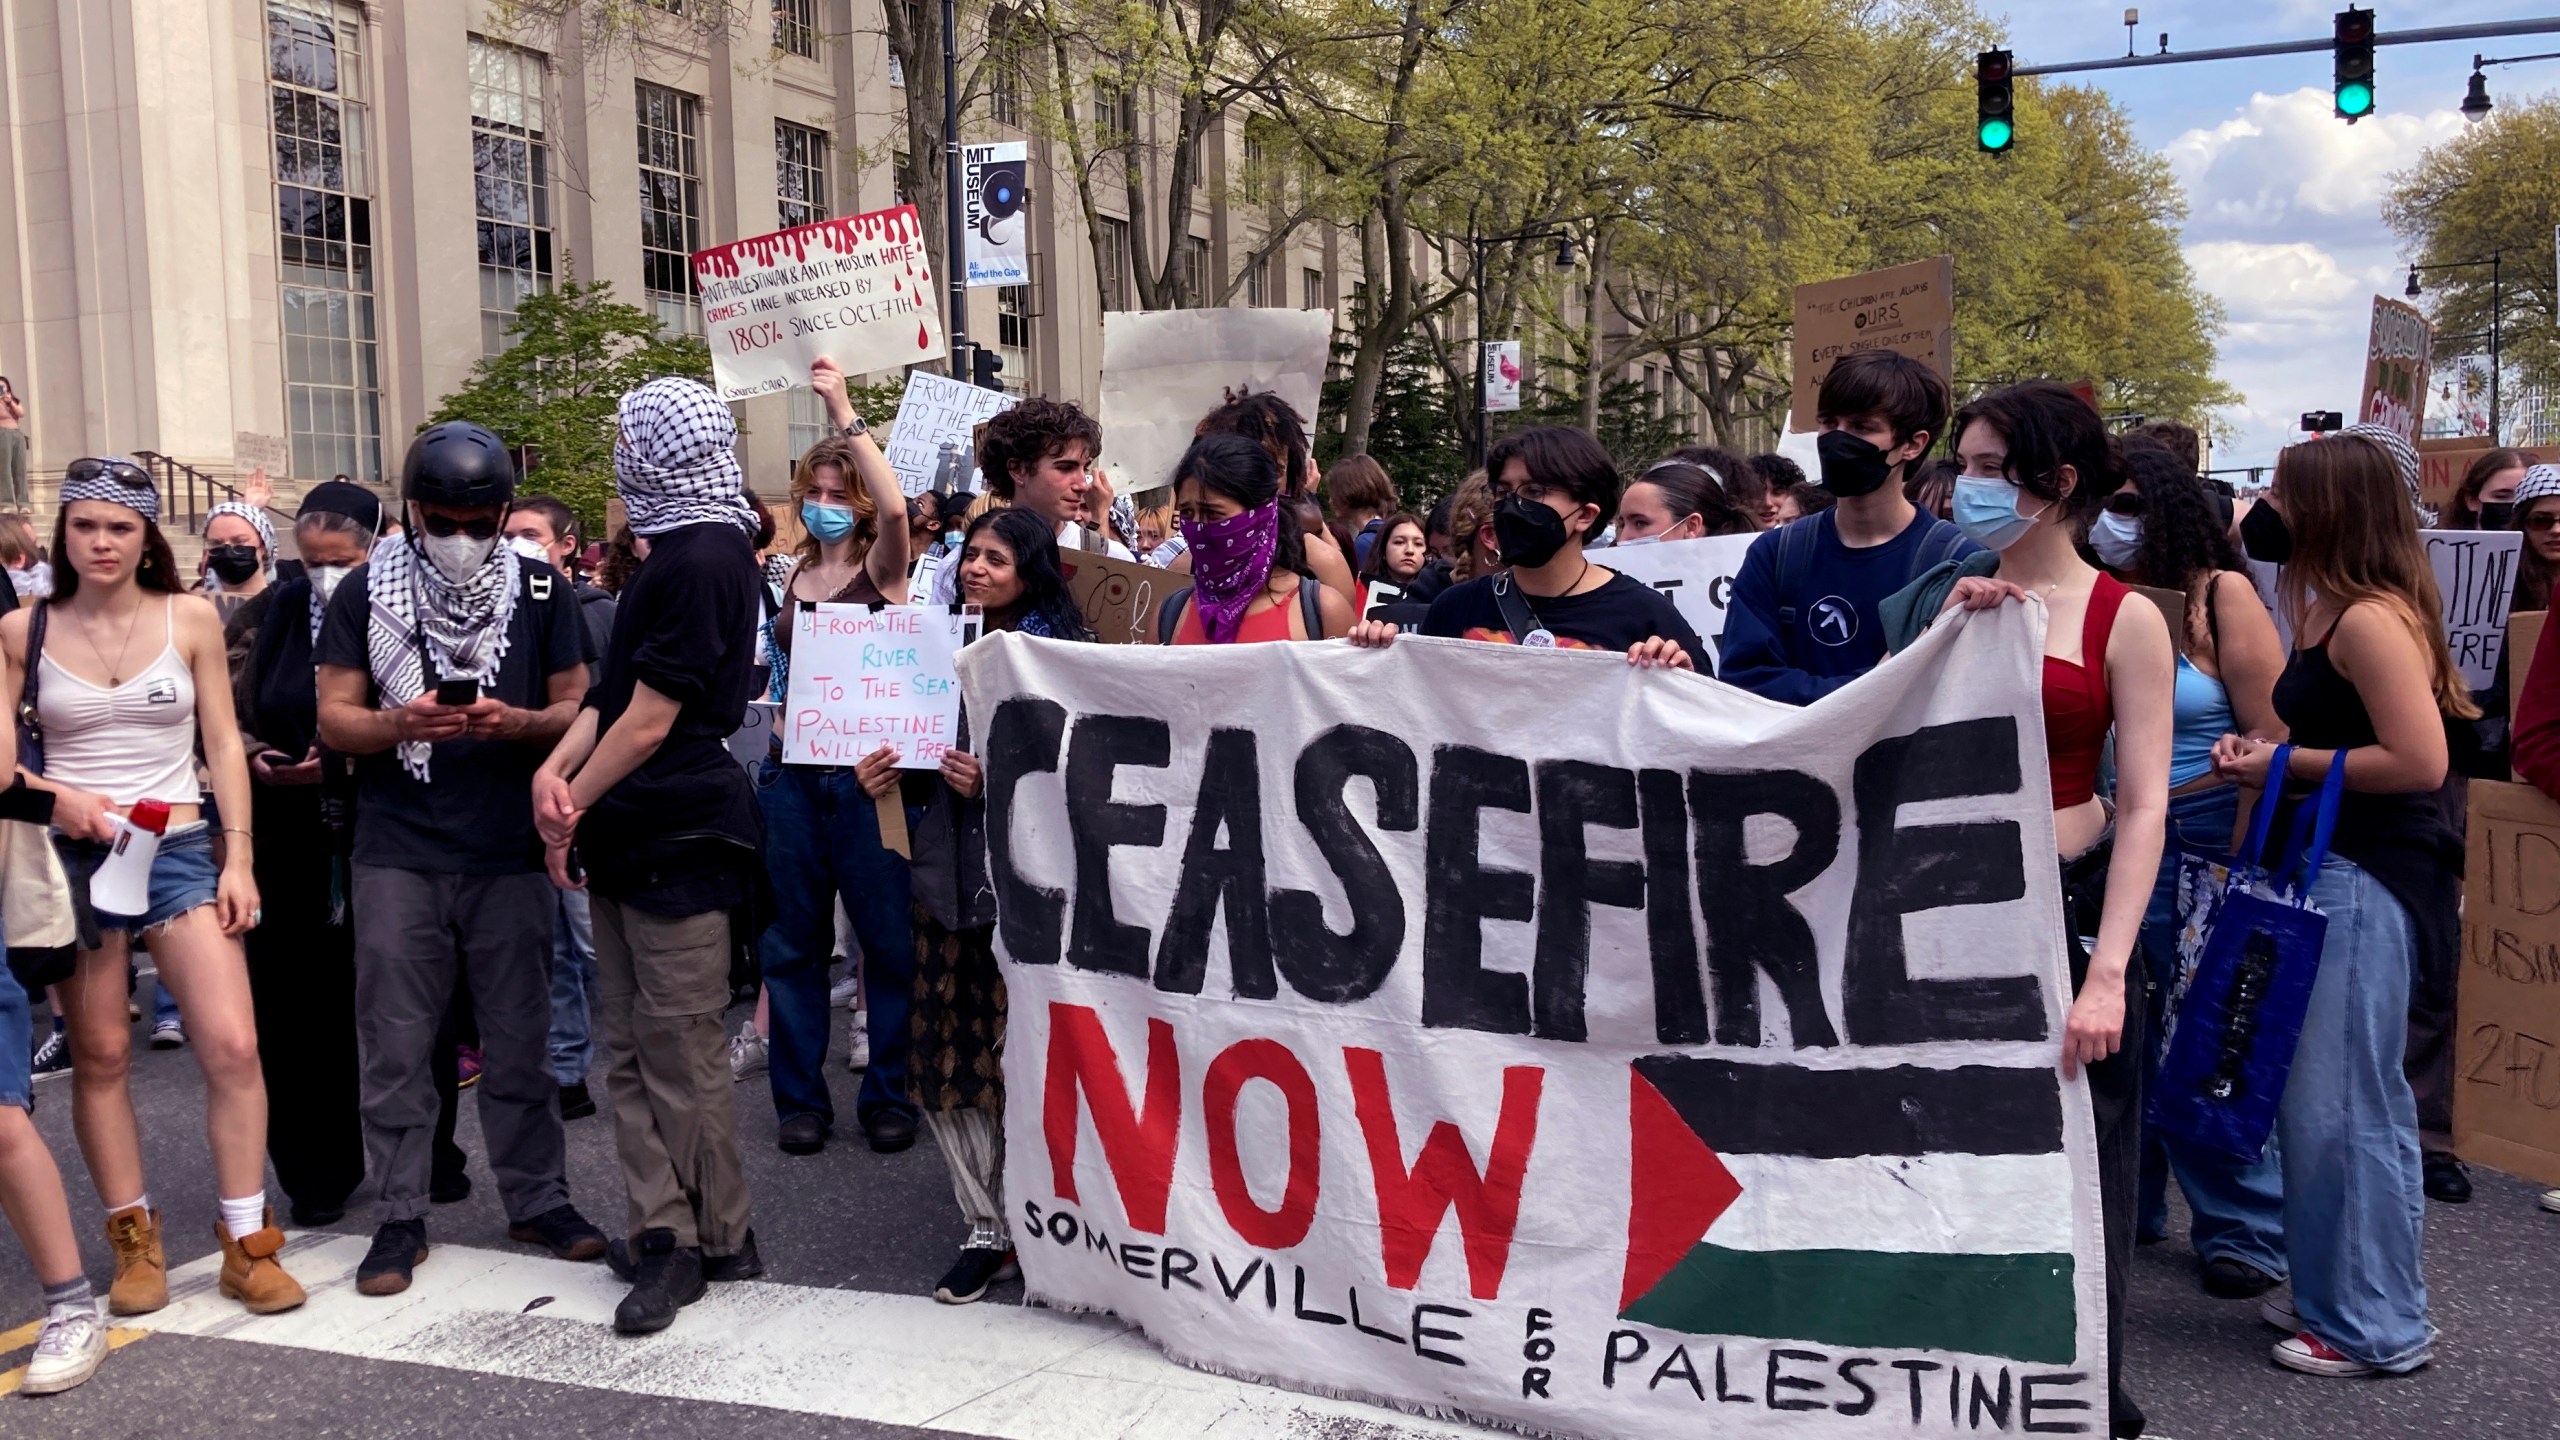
point(957, 1022)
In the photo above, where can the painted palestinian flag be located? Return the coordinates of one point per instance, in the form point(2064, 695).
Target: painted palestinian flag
point(1896, 1207)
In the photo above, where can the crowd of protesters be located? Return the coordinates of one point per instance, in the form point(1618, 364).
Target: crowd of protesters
point(454, 798)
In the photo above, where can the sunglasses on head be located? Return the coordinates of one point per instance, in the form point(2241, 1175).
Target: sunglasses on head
point(123, 472)
point(445, 527)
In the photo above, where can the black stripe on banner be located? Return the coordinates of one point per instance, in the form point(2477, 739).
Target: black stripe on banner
point(1740, 1109)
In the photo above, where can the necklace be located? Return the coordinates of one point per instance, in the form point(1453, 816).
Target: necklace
point(115, 672)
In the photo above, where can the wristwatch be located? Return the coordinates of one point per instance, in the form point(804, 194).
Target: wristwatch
point(859, 426)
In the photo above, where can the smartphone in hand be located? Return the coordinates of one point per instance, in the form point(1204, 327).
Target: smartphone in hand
point(458, 693)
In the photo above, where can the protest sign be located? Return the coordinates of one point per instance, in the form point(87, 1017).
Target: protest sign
point(2475, 582)
point(1164, 369)
point(1695, 575)
point(2395, 368)
point(1571, 1047)
point(864, 676)
point(2506, 1050)
point(933, 443)
point(1119, 598)
point(1501, 374)
point(857, 290)
point(1909, 309)
point(995, 197)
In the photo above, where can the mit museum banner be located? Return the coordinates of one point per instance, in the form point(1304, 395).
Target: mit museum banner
point(1510, 1034)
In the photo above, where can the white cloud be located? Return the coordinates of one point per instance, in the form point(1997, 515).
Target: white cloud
point(2286, 159)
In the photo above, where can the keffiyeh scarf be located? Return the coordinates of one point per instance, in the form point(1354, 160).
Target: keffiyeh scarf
point(2404, 456)
point(2540, 482)
point(258, 521)
point(105, 484)
point(675, 460)
point(464, 626)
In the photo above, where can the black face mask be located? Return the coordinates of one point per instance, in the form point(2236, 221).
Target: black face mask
point(1529, 532)
point(1851, 464)
point(232, 564)
point(2497, 514)
point(2265, 536)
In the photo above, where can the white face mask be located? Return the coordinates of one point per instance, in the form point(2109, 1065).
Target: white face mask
point(2117, 539)
point(325, 578)
point(529, 548)
point(456, 556)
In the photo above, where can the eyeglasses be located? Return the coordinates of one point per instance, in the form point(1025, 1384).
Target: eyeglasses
point(2125, 502)
point(445, 527)
point(2542, 520)
point(123, 472)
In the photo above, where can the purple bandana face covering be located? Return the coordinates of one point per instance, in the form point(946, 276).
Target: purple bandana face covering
point(1230, 563)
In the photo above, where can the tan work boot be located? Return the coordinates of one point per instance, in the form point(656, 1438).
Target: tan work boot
point(250, 1273)
point(142, 1271)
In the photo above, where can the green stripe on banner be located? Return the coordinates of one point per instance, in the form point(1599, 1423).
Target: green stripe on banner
point(2018, 1306)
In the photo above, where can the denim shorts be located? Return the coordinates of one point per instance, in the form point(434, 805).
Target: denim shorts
point(183, 877)
point(17, 1044)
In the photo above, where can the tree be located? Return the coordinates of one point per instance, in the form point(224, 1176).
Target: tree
point(572, 353)
point(2494, 189)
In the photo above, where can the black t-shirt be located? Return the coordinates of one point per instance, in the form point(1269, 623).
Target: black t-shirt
point(475, 815)
point(1617, 616)
point(679, 836)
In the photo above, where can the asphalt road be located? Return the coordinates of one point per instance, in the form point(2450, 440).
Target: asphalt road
point(851, 1220)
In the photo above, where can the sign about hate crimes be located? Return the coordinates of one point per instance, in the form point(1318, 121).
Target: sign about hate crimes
point(1587, 1050)
point(864, 676)
point(857, 290)
point(1909, 309)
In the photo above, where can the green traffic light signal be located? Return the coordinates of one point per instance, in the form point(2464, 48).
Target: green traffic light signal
point(2355, 100)
point(1997, 132)
point(1995, 110)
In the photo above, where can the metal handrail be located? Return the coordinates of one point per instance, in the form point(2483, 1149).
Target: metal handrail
point(186, 493)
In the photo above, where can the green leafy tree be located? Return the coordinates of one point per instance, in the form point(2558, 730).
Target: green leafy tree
point(2494, 189)
point(574, 350)
point(1410, 433)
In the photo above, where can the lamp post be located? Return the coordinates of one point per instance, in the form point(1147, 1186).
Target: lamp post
point(1480, 247)
point(2495, 260)
point(2475, 101)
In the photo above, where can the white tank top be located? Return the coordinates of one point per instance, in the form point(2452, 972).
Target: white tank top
point(129, 742)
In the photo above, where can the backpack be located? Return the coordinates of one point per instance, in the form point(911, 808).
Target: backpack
point(1797, 542)
point(1310, 611)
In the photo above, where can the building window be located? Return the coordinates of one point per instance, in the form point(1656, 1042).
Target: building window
point(317, 96)
point(1195, 272)
point(806, 415)
point(1115, 113)
point(800, 173)
point(1311, 290)
point(1257, 165)
point(795, 27)
point(1013, 336)
point(915, 35)
point(511, 174)
point(1257, 283)
point(1006, 46)
point(670, 204)
point(1111, 265)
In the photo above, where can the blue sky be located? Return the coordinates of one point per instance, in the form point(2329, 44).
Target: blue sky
point(2285, 222)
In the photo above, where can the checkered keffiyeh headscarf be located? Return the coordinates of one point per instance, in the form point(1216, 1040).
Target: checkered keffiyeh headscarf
point(2540, 482)
point(2404, 457)
point(108, 483)
point(258, 521)
point(675, 460)
point(465, 626)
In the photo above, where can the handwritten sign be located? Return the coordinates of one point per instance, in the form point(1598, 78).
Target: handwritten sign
point(2475, 583)
point(2396, 356)
point(2506, 1049)
point(933, 445)
point(1694, 575)
point(1164, 369)
point(857, 290)
point(862, 678)
point(1909, 309)
point(1119, 598)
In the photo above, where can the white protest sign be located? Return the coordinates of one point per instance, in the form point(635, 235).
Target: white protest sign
point(2475, 585)
point(1695, 575)
point(995, 195)
point(863, 677)
point(1162, 370)
point(1502, 375)
point(1569, 1047)
point(857, 290)
point(933, 442)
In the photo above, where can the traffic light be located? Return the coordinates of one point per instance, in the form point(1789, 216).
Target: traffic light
point(984, 365)
point(1995, 118)
point(2354, 97)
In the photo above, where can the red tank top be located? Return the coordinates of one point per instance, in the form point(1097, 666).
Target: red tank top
point(2077, 713)
point(1271, 623)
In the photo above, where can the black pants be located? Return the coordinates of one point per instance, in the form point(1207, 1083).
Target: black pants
point(460, 1029)
point(302, 988)
point(2115, 1107)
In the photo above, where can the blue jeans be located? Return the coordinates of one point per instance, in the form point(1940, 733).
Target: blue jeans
point(822, 840)
point(2235, 1208)
point(573, 986)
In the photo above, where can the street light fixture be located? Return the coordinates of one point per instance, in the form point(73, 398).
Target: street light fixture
point(2475, 105)
point(1480, 247)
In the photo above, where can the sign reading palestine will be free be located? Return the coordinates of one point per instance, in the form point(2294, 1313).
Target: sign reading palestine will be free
point(1593, 1051)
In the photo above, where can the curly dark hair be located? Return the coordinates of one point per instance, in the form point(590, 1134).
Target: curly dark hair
point(2182, 532)
point(1273, 423)
point(1029, 433)
point(2048, 426)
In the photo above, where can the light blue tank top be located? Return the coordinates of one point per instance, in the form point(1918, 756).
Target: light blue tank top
point(2203, 713)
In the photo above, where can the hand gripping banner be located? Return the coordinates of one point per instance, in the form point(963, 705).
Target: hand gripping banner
point(1515, 1035)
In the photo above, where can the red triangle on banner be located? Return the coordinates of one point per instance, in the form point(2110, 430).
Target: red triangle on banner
point(1677, 1188)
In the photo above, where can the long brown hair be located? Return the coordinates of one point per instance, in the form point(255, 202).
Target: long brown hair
point(2355, 539)
point(2460, 515)
point(157, 571)
point(836, 450)
point(1470, 510)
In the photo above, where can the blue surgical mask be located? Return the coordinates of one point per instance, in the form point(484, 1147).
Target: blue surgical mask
point(829, 523)
point(1986, 510)
point(951, 538)
point(2117, 539)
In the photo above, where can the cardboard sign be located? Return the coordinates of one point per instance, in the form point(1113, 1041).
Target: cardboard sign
point(1694, 575)
point(2395, 368)
point(251, 450)
point(995, 199)
point(1357, 1044)
point(1909, 309)
point(1119, 598)
point(857, 290)
point(933, 443)
point(2506, 1046)
point(2442, 464)
point(2172, 605)
point(2475, 582)
point(1501, 374)
point(865, 676)
point(1162, 370)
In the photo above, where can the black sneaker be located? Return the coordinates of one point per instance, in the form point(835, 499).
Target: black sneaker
point(717, 1269)
point(52, 1058)
point(575, 1102)
point(399, 1247)
point(971, 1274)
point(803, 1135)
point(889, 1130)
point(2448, 1182)
point(668, 1278)
point(2229, 1279)
point(562, 1231)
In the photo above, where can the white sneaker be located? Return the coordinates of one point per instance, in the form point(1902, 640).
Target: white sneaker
point(2277, 1310)
point(857, 1042)
point(746, 1053)
point(67, 1351)
point(2551, 1201)
point(844, 992)
point(168, 1035)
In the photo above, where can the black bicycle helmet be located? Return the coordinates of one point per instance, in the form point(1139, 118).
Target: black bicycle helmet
point(460, 464)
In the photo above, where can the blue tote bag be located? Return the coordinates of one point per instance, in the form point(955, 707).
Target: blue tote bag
point(2249, 947)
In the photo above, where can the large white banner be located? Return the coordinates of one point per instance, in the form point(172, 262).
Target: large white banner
point(995, 201)
point(1517, 1034)
point(1162, 370)
point(858, 290)
point(1695, 575)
